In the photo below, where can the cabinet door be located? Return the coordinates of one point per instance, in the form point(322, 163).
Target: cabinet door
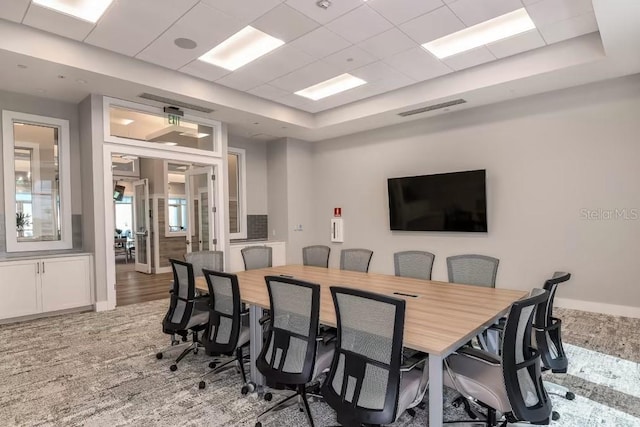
point(66, 283)
point(279, 254)
point(19, 289)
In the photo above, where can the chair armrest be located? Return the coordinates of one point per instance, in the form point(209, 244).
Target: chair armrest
point(414, 361)
point(264, 319)
point(481, 355)
point(244, 312)
point(326, 337)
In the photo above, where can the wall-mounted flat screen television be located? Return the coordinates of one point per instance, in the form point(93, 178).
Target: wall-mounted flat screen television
point(443, 202)
point(118, 193)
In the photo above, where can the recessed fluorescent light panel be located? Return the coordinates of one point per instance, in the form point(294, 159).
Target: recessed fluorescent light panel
point(495, 29)
point(331, 87)
point(87, 10)
point(241, 48)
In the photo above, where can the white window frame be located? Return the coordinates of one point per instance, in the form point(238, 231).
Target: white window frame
point(165, 172)
point(64, 171)
point(242, 189)
point(114, 102)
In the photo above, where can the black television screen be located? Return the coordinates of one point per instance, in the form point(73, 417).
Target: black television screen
point(118, 193)
point(443, 202)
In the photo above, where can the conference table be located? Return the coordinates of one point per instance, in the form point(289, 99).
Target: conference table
point(439, 317)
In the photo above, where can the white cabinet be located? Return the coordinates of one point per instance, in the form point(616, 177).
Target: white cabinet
point(43, 285)
point(278, 254)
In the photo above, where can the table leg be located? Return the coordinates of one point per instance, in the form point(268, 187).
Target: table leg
point(436, 391)
point(255, 346)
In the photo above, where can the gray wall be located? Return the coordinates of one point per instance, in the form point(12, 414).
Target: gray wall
point(277, 190)
point(301, 200)
point(256, 163)
point(547, 158)
point(50, 108)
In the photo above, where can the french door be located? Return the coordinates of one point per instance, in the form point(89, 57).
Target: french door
point(201, 208)
point(141, 225)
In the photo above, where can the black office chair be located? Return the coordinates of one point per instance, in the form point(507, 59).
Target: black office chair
point(292, 355)
point(317, 256)
point(479, 270)
point(414, 264)
point(355, 259)
point(367, 383)
point(225, 334)
point(187, 315)
point(510, 384)
point(256, 257)
point(548, 338)
point(201, 260)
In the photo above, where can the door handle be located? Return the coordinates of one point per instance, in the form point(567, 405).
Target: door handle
point(188, 242)
point(38, 267)
point(42, 267)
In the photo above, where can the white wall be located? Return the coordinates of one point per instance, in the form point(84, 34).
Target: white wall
point(300, 195)
point(547, 158)
point(277, 190)
point(256, 163)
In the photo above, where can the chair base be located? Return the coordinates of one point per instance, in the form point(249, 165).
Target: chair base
point(303, 402)
point(558, 390)
point(221, 365)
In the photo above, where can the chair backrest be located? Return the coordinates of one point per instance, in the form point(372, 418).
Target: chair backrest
point(316, 256)
point(521, 363)
point(414, 264)
point(548, 335)
point(182, 296)
point(364, 381)
point(256, 257)
point(210, 260)
point(355, 259)
point(479, 270)
point(289, 353)
point(223, 329)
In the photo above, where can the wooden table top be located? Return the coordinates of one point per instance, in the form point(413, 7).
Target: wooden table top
point(442, 318)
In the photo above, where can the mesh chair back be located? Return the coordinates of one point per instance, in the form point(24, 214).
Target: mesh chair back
point(355, 259)
point(547, 336)
point(256, 257)
point(364, 380)
point(414, 264)
point(182, 296)
point(521, 363)
point(316, 256)
point(476, 270)
point(223, 329)
point(210, 260)
point(289, 353)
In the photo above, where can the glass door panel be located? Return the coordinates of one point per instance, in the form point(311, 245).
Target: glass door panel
point(142, 223)
point(201, 206)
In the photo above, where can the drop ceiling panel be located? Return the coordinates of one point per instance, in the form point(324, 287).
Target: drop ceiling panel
point(244, 11)
point(399, 11)
point(206, 26)
point(569, 28)
point(350, 58)
point(469, 59)
point(378, 71)
point(14, 10)
point(320, 43)
point(517, 44)
point(281, 61)
point(129, 26)
point(548, 12)
point(472, 12)
point(432, 25)
point(295, 101)
point(58, 23)
point(240, 81)
point(269, 92)
point(360, 24)
point(323, 16)
point(388, 43)
point(285, 23)
point(204, 70)
point(304, 77)
point(418, 64)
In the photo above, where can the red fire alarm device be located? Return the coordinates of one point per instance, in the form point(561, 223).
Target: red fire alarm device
point(337, 212)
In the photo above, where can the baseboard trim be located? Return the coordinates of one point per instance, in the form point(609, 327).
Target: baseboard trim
point(598, 307)
point(161, 270)
point(46, 314)
point(104, 306)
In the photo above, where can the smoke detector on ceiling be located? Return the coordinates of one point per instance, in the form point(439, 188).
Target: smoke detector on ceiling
point(324, 4)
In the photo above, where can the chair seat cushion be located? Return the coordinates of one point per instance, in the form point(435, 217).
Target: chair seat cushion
point(409, 389)
point(198, 318)
point(481, 379)
point(324, 356)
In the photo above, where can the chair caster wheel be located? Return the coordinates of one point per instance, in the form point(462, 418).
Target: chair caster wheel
point(258, 424)
point(422, 405)
point(202, 385)
point(411, 412)
point(457, 402)
point(184, 339)
point(195, 351)
point(173, 368)
point(158, 356)
point(569, 395)
point(248, 388)
point(212, 365)
point(555, 416)
point(268, 397)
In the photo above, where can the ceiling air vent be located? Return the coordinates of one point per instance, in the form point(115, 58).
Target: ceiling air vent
point(432, 107)
point(175, 103)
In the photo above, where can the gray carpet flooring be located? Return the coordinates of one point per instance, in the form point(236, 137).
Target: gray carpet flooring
point(99, 369)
